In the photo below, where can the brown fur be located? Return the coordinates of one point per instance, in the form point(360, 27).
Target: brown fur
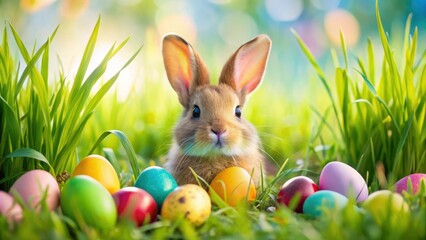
point(194, 145)
point(215, 101)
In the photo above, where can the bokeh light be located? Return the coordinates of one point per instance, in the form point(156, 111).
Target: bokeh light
point(214, 27)
point(35, 5)
point(73, 8)
point(181, 24)
point(341, 20)
point(284, 10)
point(175, 17)
point(129, 2)
point(237, 27)
point(325, 4)
point(313, 36)
point(220, 1)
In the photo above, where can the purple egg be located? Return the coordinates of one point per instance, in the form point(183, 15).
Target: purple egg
point(342, 178)
point(416, 179)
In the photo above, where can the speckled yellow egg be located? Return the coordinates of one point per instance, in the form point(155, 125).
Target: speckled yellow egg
point(234, 185)
point(188, 201)
point(101, 170)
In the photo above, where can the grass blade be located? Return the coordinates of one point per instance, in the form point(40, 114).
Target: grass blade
point(395, 76)
point(321, 75)
point(371, 64)
point(109, 154)
point(28, 69)
point(374, 92)
point(11, 123)
point(30, 153)
point(345, 54)
point(84, 63)
point(105, 88)
point(127, 147)
point(402, 142)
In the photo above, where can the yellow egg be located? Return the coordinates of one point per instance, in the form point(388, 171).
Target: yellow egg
point(101, 170)
point(234, 185)
point(188, 201)
point(388, 208)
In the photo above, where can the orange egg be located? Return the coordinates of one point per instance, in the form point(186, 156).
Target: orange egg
point(100, 169)
point(234, 185)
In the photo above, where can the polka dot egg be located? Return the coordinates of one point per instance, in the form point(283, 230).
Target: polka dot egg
point(188, 201)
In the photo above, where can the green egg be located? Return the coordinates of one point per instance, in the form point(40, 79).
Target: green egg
point(157, 182)
point(87, 202)
point(319, 200)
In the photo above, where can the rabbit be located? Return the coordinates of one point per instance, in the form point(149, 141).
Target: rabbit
point(212, 133)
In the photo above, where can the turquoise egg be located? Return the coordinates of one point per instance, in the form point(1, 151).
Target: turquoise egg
point(87, 202)
point(157, 182)
point(319, 200)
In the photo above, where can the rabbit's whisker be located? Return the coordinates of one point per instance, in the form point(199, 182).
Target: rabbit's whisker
point(264, 134)
point(184, 155)
point(235, 161)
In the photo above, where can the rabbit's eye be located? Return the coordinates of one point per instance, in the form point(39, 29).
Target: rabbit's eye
point(238, 112)
point(196, 112)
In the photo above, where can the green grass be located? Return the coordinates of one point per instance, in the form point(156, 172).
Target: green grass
point(41, 125)
point(378, 122)
point(241, 222)
point(375, 122)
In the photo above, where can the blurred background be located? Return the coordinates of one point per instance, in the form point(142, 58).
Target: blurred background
point(143, 104)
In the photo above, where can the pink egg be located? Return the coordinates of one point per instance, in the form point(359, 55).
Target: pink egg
point(9, 208)
point(342, 178)
point(34, 186)
point(416, 179)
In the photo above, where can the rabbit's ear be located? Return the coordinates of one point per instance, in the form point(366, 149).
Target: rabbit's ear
point(185, 69)
point(245, 68)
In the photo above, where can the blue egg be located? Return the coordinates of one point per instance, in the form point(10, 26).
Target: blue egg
point(319, 200)
point(157, 182)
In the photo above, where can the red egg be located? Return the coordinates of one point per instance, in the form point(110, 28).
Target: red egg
point(299, 186)
point(136, 205)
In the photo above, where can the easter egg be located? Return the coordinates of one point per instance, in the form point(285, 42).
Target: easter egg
point(387, 207)
point(189, 201)
point(87, 202)
point(416, 181)
point(101, 170)
point(136, 205)
point(157, 182)
point(234, 185)
point(298, 187)
point(314, 204)
point(342, 178)
point(35, 186)
point(10, 209)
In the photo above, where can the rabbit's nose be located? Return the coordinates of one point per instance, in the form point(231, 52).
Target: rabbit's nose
point(218, 132)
